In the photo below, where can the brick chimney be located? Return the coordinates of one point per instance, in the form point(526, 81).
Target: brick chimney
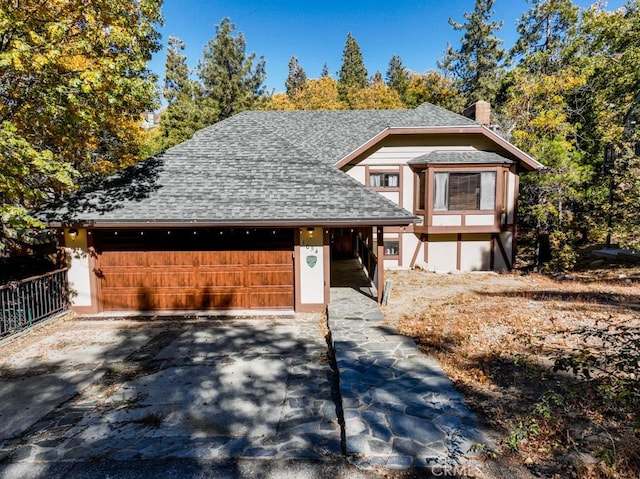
point(480, 111)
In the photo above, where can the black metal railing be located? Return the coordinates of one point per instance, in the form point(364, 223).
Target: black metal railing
point(26, 302)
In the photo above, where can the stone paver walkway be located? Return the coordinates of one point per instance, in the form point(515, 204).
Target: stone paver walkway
point(400, 409)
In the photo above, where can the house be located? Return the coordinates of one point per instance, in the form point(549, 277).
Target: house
point(249, 213)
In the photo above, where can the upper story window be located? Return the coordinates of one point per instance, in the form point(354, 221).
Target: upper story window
point(464, 191)
point(384, 180)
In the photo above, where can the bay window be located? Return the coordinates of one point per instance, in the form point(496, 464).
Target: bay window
point(464, 191)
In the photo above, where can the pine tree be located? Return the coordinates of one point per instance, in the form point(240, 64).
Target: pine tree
point(231, 83)
point(397, 76)
point(176, 70)
point(548, 34)
point(185, 113)
point(352, 73)
point(325, 71)
point(477, 64)
point(297, 77)
point(376, 78)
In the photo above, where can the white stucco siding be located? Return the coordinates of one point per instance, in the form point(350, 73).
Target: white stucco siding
point(442, 253)
point(475, 253)
point(390, 155)
point(447, 220)
point(358, 173)
point(479, 220)
point(409, 244)
point(391, 195)
point(408, 183)
point(79, 270)
point(311, 267)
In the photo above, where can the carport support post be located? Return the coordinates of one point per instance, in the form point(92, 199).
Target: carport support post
point(380, 265)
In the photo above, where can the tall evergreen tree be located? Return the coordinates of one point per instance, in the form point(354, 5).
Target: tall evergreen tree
point(325, 71)
point(477, 64)
point(297, 77)
point(352, 73)
point(176, 70)
point(230, 80)
point(185, 113)
point(397, 76)
point(547, 35)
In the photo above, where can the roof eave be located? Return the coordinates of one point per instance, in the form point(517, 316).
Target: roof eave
point(286, 223)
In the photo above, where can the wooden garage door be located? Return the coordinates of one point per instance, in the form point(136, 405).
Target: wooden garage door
point(150, 280)
point(158, 279)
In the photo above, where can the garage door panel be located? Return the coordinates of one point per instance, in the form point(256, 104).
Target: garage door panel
point(166, 280)
point(270, 297)
point(268, 277)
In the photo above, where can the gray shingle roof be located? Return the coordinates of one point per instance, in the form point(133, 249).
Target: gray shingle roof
point(255, 168)
point(453, 157)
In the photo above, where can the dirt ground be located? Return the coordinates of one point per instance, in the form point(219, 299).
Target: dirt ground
point(499, 337)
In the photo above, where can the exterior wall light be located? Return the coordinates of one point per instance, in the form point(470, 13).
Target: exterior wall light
point(310, 231)
point(73, 233)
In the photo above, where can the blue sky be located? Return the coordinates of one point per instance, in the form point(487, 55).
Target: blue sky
point(315, 31)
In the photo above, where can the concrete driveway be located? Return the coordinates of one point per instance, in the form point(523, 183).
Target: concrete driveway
point(106, 390)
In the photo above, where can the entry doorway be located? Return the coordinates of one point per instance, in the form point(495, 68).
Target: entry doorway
point(347, 269)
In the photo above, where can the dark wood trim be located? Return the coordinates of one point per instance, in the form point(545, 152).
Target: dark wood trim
point(399, 229)
point(416, 252)
point(380, 265)
point(416, 191)
point(459, 253)
point(457, 229)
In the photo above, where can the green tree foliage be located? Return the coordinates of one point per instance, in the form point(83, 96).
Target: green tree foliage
point(397, 76)
point(353, 72)
point(612, 46)
point(377, 96)
point(317, 94)
point(296, 79)
point(548, 36)
point(230, 81)
point(477, 64)
point(184, 114)
point(434, 88)
point(73, 82)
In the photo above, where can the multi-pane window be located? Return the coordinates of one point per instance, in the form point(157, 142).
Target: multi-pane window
point(391, 247)
point(384, 180)
point(464, 191)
